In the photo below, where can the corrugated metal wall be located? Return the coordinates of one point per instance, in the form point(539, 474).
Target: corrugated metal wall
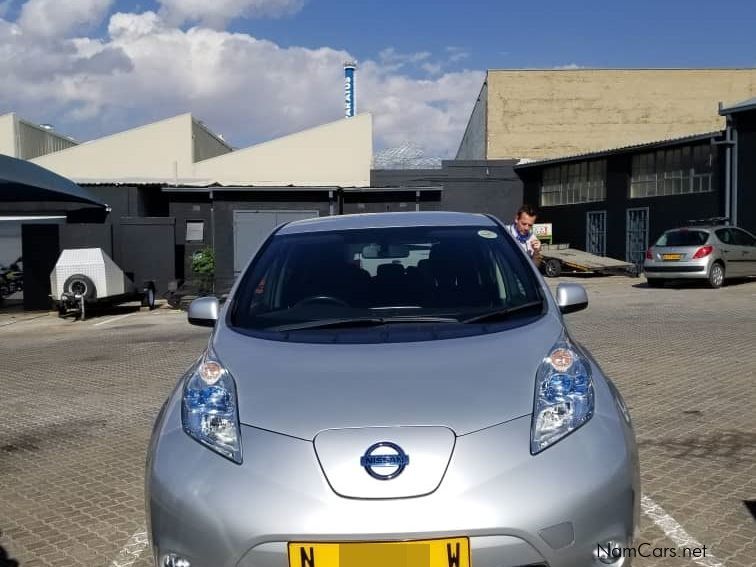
point(35, 141)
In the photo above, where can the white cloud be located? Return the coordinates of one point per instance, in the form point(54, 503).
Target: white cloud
point(571, 66)
point(456, 54)
point(429, 113)
point(56, 18)
point(217, 13)
point(247, 89)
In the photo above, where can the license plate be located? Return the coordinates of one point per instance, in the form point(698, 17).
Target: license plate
point(454, 552)
point(671, 256)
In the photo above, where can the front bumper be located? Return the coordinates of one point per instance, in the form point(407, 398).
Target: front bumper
point(551, 509)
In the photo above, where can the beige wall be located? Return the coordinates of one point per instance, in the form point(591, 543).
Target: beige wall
point(339, 153)
point(8, 135)
point(540, 114)
point(156, 151)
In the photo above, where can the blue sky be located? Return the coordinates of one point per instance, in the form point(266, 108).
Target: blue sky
point(257, 69)
point(501, 34)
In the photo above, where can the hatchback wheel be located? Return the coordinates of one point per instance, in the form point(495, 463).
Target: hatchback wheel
point(716, 275)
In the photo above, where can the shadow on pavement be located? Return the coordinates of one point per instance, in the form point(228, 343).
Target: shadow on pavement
point(6, 561)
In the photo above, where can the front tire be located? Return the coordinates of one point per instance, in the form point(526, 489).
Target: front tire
point(716, 275)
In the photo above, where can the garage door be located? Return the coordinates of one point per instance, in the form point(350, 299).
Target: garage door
point(251, 228)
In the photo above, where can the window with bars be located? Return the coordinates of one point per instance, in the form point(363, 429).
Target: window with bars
point(675, 171)
point(567, 184)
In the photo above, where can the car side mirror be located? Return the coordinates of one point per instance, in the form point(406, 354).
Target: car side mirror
point(571, 297)
point(203, 311)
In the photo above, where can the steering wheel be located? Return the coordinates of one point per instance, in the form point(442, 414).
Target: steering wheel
point(321, 299)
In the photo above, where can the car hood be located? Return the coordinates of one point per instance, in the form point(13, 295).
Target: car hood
point(465, 384)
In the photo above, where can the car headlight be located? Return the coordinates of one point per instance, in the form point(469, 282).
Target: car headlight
point(209, 411)
point(563, 396)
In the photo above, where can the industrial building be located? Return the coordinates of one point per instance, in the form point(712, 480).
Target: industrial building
point(545, 114)
point(616, 202)
point(620, 156)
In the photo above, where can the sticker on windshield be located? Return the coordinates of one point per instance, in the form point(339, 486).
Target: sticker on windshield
point(487, 234)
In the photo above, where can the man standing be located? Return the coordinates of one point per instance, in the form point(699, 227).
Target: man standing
point(522, 231)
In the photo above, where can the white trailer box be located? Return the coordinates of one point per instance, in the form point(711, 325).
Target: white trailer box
point(76, 269)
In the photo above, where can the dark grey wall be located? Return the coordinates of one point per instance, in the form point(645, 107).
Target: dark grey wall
point(356, 202)
point(144, 249)
point(132, 201)
point(40, 246)
point(569, 221)
point(477, 186)
point(195, 207)
point(87, 235)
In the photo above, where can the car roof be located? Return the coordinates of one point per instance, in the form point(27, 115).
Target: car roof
point(386, 220)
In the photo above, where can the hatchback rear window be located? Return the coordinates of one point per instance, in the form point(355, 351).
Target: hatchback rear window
point(351, 278)
point(683, 238)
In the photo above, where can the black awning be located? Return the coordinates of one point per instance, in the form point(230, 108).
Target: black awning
point(23, 181)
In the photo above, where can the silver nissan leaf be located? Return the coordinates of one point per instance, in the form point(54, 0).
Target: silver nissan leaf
point(392, 389)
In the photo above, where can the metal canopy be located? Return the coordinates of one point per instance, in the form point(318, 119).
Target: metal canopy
point(23, 181)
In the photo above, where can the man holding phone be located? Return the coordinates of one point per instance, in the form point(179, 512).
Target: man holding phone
point(522, 231)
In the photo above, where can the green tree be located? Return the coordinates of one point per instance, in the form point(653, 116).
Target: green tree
point(203, 265)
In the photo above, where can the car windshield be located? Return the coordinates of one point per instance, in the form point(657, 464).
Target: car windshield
point(385, 277)
point(683, 238)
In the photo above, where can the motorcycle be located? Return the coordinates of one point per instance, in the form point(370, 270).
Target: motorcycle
point(11, 278)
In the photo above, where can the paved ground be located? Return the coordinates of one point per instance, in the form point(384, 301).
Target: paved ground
point(79, 398)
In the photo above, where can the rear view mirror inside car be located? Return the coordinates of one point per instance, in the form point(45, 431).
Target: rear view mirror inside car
point(374, 251)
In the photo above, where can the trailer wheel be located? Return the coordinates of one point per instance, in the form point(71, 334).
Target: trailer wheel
point(148, 299)
point(552, 267)
point(79, 284)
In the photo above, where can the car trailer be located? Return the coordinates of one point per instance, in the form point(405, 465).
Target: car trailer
point(84, 277)
point(558, 258)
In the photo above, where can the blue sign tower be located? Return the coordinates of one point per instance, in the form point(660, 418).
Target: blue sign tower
point(350, 104)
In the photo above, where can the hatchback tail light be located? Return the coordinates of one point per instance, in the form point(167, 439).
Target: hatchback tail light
point(703, 252)
point(649, 256)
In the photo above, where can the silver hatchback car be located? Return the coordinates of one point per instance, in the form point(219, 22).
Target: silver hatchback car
point(392, 389)
point(711, 253)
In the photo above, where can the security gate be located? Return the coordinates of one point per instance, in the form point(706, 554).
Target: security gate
point(636, 231)
point(595, 232)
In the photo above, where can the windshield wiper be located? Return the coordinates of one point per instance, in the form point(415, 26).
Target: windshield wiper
point(360, 322)
point(501, 314)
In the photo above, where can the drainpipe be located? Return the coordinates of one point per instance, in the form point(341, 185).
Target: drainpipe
point(734, 180)
point(212, 234)
point(728, 167)
point(730, 141)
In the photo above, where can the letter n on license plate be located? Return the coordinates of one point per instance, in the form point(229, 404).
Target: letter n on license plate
point(454, 552)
